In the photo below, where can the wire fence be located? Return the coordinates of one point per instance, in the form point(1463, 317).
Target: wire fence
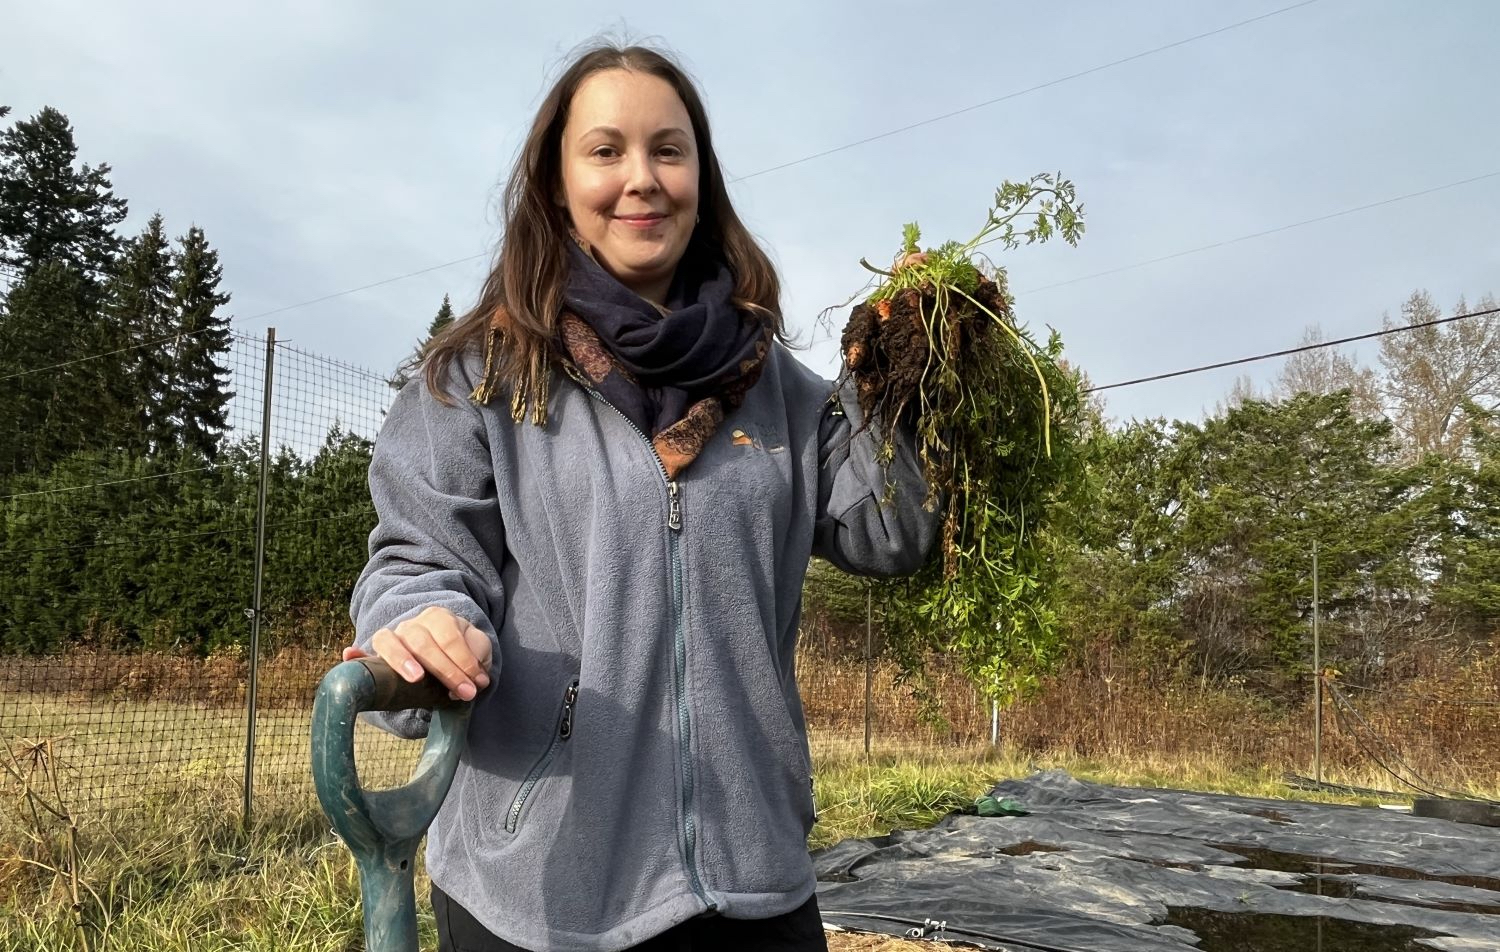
point(140, 649)
point(134, 632)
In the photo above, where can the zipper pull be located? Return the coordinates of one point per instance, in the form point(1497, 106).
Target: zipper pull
point(570, 698)
point(674, 506)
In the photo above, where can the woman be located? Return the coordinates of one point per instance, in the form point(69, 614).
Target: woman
point(595, 514)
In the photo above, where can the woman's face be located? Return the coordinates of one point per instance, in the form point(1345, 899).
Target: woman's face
point(630, 177)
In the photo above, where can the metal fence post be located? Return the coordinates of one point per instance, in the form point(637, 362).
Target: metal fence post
point(1317, 676)
point(869, 656)
point(260, 564)
point(994, 723)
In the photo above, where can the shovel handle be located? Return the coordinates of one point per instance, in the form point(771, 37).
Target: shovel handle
point(395, 693)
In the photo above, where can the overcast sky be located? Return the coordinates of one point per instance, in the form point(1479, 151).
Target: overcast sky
point(324, 146)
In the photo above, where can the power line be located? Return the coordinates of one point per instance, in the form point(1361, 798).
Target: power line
point(362, 287)
point(841, 148)
point(1022, 92)
point(1262, 234)
point(1237, 240)
point(1295, 350)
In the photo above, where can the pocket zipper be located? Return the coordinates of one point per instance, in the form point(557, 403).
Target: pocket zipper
point(534, 776)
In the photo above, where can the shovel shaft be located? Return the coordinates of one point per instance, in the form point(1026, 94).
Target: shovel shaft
point(388, 892)
point(383, 828)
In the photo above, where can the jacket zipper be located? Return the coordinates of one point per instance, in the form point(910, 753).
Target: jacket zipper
point(534, 776)
point(689, 839)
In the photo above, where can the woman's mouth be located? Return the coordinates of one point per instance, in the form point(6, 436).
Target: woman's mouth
point(642, 221)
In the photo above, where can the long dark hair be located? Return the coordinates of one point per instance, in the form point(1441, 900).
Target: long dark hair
point(516, 319)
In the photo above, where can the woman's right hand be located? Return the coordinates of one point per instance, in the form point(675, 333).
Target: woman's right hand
point(439, 643)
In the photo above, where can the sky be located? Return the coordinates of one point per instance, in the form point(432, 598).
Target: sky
point(328, 146)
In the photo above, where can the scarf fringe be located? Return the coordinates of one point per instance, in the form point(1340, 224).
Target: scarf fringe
point(535, 391)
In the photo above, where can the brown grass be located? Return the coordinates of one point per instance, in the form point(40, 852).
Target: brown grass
point(861, 942)
point(1441, 722)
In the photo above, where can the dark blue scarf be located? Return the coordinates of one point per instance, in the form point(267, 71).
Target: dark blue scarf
point(675, 372)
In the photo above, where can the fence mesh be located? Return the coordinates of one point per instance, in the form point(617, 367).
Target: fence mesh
point(139, 625)
point(128, 633)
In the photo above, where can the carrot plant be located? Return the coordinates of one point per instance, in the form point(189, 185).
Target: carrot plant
point(935, 348)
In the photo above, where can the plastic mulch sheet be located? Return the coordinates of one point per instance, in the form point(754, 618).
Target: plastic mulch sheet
point(1091, 868)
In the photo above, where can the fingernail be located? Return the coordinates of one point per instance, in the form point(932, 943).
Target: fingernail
point(483, 680)
point(413, 671)
point(466, 692)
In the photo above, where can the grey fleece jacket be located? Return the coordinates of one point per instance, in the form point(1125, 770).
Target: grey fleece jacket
point(640, 757)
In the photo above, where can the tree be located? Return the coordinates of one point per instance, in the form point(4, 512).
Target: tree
point(1329, 370)
point(139, 314)
point(1118, 578)
point(194, 397)
point(56, 245)
point(1472, 548)
point(50, 209)
point(1268, 481)
point(1432, 372)
point(46, 324)
point(403, 373)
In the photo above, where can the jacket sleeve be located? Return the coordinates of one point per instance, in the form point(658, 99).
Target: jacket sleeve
point(860, 527)
point(439, 539)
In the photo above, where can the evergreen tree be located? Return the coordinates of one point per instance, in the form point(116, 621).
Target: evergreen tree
point(139, 314)
point(56, 245)
point(443, 318)
point(1471, 584)
point(195, 399)
point(50, 209)
point(43, 419)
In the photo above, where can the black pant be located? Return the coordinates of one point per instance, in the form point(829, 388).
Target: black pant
point(800, 930)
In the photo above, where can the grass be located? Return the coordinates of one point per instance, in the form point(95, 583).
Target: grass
point(859, 797)
point(163, 866)
point(176, 873)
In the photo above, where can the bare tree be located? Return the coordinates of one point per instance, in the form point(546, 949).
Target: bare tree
point(1329, 370)
point(1241, 391)
point(1432, 372)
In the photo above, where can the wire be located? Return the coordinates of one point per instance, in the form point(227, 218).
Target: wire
point(238, 530)
point(234, 335)
point(113, 482)
point(334, 362)
point(1436, 699)
point(122, 350)
point(1232, 241)
point(1261, 234)
point(362, 287)
point(1339, 705)
point(1022, 92)
point(1295, 350)
point(1431, 789)
point(836, 149)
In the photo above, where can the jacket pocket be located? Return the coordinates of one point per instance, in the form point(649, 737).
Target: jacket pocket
point(539, 769)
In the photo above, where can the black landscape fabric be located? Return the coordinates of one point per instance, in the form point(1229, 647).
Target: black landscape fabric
point(1092, 868)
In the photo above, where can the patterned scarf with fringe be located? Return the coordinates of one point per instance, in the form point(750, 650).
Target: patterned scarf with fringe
point(673, 371)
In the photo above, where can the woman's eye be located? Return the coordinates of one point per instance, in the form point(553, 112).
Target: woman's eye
point(606, 152)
